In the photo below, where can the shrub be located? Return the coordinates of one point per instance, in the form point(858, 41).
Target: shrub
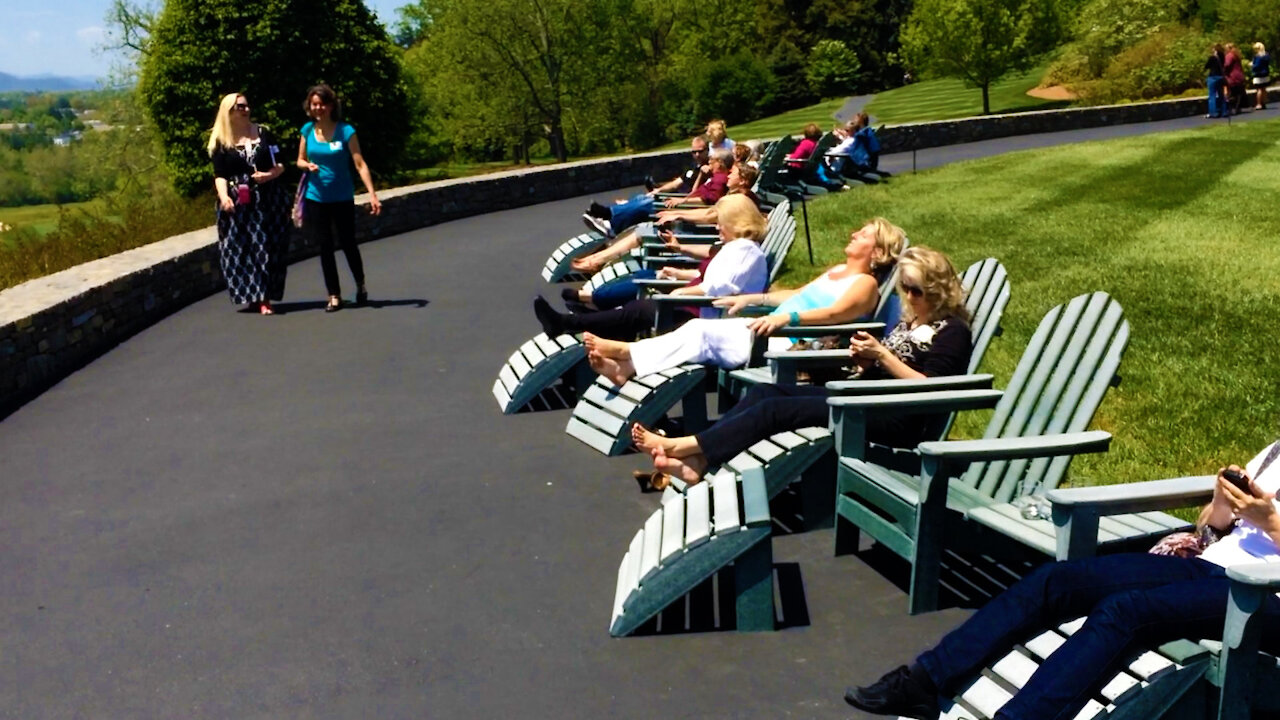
point(833, 69)
point(1168, 62)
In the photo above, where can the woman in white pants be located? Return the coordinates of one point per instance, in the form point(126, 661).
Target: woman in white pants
point(841, 294)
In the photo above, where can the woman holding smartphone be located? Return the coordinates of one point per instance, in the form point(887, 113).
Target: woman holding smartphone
point(327, 151)
point(253, 206)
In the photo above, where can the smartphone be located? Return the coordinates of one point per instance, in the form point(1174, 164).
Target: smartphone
point(1238, 479)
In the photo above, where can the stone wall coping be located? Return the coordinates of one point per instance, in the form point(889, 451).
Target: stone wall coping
point(28, 298)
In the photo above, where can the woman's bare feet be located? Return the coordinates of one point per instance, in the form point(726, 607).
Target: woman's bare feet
point(646, 440)
point(586, 264)
point(616, 371)
point(606, 348)
point(690, 468)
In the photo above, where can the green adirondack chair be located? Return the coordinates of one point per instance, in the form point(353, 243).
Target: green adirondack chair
point(1229, 679)
point(1038, 424)
point(788, 455)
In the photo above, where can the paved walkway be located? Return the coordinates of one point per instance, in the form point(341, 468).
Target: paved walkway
point(320, 515)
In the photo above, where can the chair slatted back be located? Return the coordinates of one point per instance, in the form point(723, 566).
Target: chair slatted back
point(1057, 387)
point(780, 232)
point(986, 287)
point(773, 158)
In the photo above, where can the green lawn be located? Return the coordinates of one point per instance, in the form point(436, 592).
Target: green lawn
point(1178, 227)
point(41, 218)
point(947, 98)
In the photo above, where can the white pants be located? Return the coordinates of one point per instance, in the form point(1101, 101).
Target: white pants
point(722, 342)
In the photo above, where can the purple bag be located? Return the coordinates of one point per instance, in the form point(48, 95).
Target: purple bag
point(299, 201)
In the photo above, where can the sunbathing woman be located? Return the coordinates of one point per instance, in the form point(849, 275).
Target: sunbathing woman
point(841, 294)
point(739, 266)
point(931, 339)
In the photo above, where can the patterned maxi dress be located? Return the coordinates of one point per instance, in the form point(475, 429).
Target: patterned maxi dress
point(254, 238)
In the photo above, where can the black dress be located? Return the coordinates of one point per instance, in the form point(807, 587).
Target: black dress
point(254, 238)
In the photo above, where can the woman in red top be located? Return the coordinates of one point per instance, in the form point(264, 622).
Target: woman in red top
point(812, 133)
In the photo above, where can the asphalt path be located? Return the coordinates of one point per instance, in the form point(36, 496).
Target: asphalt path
point(326, 515)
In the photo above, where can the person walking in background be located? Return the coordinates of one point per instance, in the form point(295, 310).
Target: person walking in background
point(1213, 69)
point(1261, 75)
point(1234, 72)
point(253, 206)
point(327, 151)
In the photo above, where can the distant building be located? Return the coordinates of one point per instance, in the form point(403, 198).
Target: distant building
point(15, 127)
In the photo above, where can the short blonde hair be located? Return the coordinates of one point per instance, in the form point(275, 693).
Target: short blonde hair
point(221, 133)
point(716, 131)
point(937, 277)
point(739, 216)
point(1259, 48)
point(889, 241)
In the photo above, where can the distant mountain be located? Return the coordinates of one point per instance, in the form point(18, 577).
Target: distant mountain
point(45, 83)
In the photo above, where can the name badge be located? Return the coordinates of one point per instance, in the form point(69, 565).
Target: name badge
point(335, 145)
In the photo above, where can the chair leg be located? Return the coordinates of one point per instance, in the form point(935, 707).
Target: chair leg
point(926, 566)
point(753, 588)
point(818, 492)
point(693, 408)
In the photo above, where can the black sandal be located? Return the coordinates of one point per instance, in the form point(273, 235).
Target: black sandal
point(335, 304)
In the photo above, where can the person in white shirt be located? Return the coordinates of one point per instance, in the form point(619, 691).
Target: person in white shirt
point(1131, 600)
point(739, 266)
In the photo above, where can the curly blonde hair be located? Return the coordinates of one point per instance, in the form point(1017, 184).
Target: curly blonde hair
point(889, 241)
point(739, 216)
point(937, 277)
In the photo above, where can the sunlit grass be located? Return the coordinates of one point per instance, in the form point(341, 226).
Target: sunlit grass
point(1178, 227)
point(947, 98)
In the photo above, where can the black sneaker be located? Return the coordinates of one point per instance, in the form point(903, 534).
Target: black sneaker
point(649, 184)
point(600, 211)
point(897, 693)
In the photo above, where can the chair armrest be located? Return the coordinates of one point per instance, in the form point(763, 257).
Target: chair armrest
point(681, 260)
point(966, 451)
point(809, 357)
point(982, 381)
point(656, 284)
point(689, 300)
point(1135, 496)
point(919, 403)
point(816, 330)
point(1264, 575)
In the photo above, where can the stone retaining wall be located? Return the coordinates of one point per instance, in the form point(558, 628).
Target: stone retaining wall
point(52, 326)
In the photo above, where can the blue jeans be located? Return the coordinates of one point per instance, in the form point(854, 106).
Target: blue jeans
point(633, 211)
point(1217, 101)
point(1131, 600)
point(619, 293)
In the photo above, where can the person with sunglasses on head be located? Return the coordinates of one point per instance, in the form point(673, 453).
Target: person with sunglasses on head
point(843, 293)
point(327, 150)
point(931, 339)
point(253, 206)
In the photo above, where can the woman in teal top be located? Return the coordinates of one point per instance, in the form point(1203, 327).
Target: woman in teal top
point(327, 151)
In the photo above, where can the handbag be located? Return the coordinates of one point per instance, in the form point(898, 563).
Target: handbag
point(299, 201)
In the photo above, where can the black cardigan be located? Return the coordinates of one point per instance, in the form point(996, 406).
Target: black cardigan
point(228, 163)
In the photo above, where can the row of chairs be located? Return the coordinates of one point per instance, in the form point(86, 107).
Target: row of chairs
point(909, 502)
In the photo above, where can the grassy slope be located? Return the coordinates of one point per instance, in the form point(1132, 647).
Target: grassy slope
point(787, 123)
point(42, 218)
point(948, 98)
point(1179, 227)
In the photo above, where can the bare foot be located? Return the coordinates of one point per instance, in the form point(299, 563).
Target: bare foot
point(604, 347)
point(586, 265)
point(646, 440)
point(616, 371)
point(690, 468)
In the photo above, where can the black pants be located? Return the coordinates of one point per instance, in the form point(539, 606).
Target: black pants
point(769, 409)
point(621, 323)
point(325, 220)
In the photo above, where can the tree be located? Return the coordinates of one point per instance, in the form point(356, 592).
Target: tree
point(195, 51)
point(978, 41)
point(512, 65)
point(833, 69)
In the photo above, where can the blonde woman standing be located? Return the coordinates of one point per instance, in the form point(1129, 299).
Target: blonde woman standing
point(253, 206)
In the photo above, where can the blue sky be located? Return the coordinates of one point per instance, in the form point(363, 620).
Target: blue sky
point(63, 37)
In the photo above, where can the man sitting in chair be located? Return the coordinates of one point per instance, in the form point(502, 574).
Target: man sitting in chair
point(1131, 600)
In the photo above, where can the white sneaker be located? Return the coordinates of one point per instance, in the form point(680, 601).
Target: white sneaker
point(597, 224)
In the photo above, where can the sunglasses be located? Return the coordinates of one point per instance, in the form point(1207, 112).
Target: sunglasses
point(242, 106)
point(912, 290)
point(700, 152)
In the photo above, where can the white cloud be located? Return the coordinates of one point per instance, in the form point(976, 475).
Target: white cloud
point(91, 35)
